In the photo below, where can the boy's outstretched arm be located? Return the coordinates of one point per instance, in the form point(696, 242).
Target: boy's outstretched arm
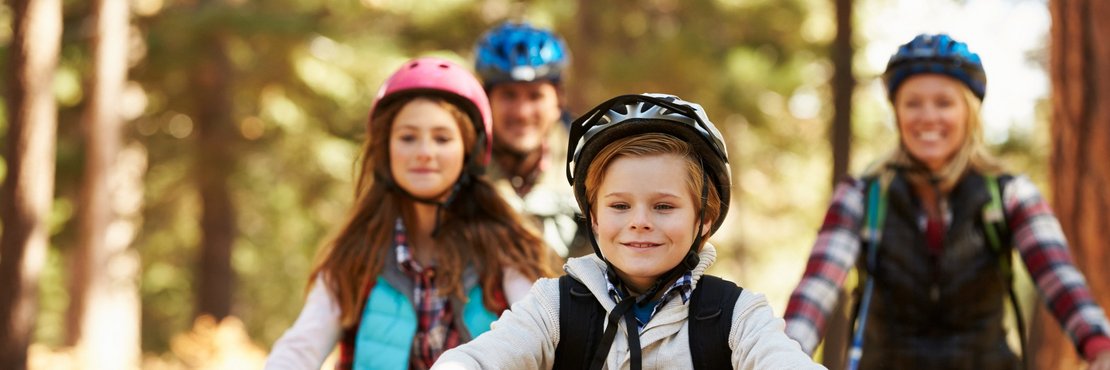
point(758, 341)
point(524, 337)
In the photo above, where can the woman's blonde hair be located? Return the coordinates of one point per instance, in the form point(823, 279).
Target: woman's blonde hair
point(973, 154)
point(652, 144)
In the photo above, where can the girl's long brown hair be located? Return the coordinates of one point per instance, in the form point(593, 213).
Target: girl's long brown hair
point(479, 228)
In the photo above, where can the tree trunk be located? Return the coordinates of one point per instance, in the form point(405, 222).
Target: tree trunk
point(215, 163)
point(104, 305)
point(843, 84)
point(1080, 72)
point(586, 38)
point(28, 189)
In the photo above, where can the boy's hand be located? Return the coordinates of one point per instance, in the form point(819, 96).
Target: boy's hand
point(1102, 362)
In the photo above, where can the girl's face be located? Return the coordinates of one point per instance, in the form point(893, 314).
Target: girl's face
point(426, 153)
point(932, 118)
point(645, 217)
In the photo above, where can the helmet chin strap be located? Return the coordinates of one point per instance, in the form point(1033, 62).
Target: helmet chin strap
point(624, 307)
point(464, 179)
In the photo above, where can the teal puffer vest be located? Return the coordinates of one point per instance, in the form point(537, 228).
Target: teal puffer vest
point(388, 325)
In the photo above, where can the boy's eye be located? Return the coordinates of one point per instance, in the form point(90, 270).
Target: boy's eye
point(664, 207)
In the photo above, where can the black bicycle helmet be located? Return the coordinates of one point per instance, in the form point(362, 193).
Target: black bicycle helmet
point(935, 54)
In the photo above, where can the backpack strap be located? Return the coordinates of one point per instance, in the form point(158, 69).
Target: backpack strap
point(1000, 241)
point(711, 306)
point(872, 233)
point(994, 226)
point(580, 322)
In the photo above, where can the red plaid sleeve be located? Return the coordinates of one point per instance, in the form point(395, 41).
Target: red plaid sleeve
point(834, 253)
point(1039, 239)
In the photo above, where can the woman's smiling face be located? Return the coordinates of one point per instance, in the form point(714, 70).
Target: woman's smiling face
point(932, 118)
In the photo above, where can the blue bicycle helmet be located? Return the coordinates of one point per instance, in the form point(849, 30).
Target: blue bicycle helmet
point(935, 54)
point(518, 52)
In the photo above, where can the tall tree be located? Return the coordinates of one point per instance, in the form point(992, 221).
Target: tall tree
point(103, 317)
point(213, 168)
point(843, 84)
point(1080, 73)
point(585, 39)
point(28, 188)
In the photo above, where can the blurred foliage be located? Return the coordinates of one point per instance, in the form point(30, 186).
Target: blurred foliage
point(208, 345)
point(306, 71)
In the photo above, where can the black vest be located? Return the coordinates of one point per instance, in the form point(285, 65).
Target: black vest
point(936, 312)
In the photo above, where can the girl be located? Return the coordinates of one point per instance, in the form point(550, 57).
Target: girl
point(652, 173)
point(429, 255)
point(937, 267)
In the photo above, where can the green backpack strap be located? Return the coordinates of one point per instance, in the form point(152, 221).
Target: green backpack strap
point(994, 225)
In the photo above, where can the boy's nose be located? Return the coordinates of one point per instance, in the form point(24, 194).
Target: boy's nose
point(640, 221)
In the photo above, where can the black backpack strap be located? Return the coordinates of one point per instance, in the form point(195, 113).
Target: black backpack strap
point(580, 322)
point(711, 306)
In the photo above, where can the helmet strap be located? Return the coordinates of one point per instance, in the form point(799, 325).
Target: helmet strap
point(624, 307)
point(464, 179)
point(689, 262)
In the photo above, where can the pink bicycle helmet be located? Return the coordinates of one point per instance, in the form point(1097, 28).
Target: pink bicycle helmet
point(440, 77)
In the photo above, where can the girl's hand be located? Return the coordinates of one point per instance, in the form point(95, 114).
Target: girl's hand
point(1102, 362)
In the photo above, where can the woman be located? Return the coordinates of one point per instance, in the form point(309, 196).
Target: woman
point(940, 221)
point(430, 254)
point(652, 173)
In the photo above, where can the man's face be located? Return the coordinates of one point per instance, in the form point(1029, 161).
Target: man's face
point(523, 112)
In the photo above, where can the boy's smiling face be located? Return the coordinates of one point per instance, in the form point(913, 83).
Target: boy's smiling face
point(644, 217)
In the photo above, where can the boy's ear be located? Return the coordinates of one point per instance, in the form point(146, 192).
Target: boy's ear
point(706, 228)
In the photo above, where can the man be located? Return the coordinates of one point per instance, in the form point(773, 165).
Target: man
point(521, 67)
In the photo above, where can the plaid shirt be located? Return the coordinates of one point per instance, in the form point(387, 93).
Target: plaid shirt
point(1037, 236)
point(683, 287)
point(435, 328)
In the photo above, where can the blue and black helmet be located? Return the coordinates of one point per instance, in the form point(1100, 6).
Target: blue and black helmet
point(518, 52)
point(935, 54)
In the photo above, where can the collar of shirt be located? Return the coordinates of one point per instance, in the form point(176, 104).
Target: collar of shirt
point(683, 287)
point(405, 259)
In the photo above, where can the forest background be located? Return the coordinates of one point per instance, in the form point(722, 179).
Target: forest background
point(195, 153)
